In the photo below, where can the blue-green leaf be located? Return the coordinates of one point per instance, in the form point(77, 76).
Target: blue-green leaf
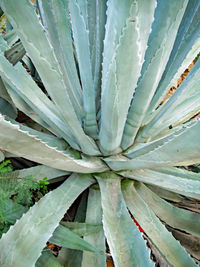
point(126, 243)
point(173, 252)
point(94, 216)
point(47, 259)
point(40, 150)
point(176, 217)
point(168, 15)
point(81, 41)
point(64, 237)
point(125, 43)
point(185, 49)
point(31, 232)
point(38, 47)
point(56, 16)
point(184, 185)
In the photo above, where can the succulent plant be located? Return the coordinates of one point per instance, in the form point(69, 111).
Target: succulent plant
point(91, 74)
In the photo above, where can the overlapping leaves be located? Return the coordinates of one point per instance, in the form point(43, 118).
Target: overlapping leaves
point(99, 70)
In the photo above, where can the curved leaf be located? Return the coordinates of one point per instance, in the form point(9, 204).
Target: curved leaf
point(7, 109)
point(126, 243)
point(156, 231)
point(96, 16)
point(83, 229)
point(121, 73)
point(177, 149)
point(41, 171)
point(41, 53)
point(166, 194)
point(177, 218)
point(181, 104)
point(168, 15)
point(182, 185)
point(186, 48)
point(26, 91)
point(73, 257)
point(31, 232)
point(70, 258)
point(41, 152)
point(94, 215)
point(3, 93)
point(64, 237)
point(47, 259)
point(81, 41)
point(55, 16)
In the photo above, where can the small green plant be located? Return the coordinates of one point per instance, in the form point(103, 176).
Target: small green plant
point(43, 185)
point(5, 166)
point(17, 194)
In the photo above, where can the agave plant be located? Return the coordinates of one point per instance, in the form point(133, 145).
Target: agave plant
point(91, 75)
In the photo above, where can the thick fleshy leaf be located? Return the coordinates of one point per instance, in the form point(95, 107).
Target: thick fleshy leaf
point(168, 15)
point(72, 257)
point(41, 171)
point(183, 104)
point(11, 37)
point(64, 237)
point(177, 218)
point(55, 16)
point(186, 186)
point(7, 109)
point(81, 41)
point(166, 194)
point(176, 149)
point(41, 152)
point(83, 229)
point(22, 244)
point(47, 138)
point(7, 106)
point(37, 116)
point(41, 53)
point(3, 92)
point(124, 46)
point(186, 47)
point(26, 94)
point(126, 243)
point(179, 172)
point(96, 17)
point(47, 259)
point(68, 69)
point(94, 215)
point(156, 231)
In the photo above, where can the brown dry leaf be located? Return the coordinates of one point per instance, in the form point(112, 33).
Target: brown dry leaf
point(109, 263)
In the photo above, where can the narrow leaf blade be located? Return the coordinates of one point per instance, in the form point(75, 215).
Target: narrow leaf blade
point(126, 244)
point(32, 232)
